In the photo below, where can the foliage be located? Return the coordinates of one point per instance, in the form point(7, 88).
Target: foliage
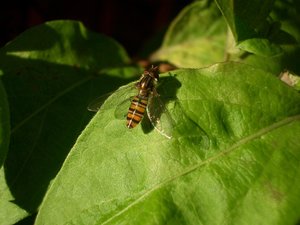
point(234, 155)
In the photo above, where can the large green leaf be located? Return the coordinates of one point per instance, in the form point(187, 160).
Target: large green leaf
point(51, 73)
point(197, 37)
point(233, 159)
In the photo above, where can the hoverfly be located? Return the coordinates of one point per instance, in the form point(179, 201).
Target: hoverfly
point(146, 100)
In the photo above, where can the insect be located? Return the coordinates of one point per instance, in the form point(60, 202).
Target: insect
point(146, 100)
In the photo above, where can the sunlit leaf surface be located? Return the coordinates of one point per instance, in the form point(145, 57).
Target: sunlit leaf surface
point(233, 159)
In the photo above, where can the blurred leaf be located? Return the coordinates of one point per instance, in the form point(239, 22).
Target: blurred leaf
point(244, 17)
point(267, 29)
point(260, 47)
point(197, 37)
point(233, 159)
point(51, 73)
point(287, 12)
point(248, 23)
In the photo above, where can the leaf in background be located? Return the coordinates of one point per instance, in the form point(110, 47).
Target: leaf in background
point(244, 17)
point(51, 73)
point(259, 27)
point(260, 47)
point(197, 37)
point(267, 32)
point(287, 12)
point(233, 159)
point(4, 124)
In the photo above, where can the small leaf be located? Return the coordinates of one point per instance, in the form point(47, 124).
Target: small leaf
point(233, 159)
point(260, 47)
point(195, 38)
point(244, 17)
point(251, 26)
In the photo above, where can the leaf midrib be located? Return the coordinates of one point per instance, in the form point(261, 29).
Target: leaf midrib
point(39, 110)
point(197, 166)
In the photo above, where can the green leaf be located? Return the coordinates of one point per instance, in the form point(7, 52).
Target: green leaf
point(4, 124)
point(275, 46)
point(51, 73)
point(10, 212)
point(288, 14)
point(197, 37)
point(233, 159)
point(244, 17)
point(261, 47)
point(249, 25)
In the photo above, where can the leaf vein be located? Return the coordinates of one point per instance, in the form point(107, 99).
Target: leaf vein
point(40, 109)
point(197, 166)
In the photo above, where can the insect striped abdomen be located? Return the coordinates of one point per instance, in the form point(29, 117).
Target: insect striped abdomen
point(136, 111)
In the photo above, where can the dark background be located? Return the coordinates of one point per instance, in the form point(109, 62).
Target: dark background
point(133, 23)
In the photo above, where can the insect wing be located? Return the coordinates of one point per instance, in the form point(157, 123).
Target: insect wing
point(159, 116)
point(95, 105)
point(122, 108)
point(125, 93)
